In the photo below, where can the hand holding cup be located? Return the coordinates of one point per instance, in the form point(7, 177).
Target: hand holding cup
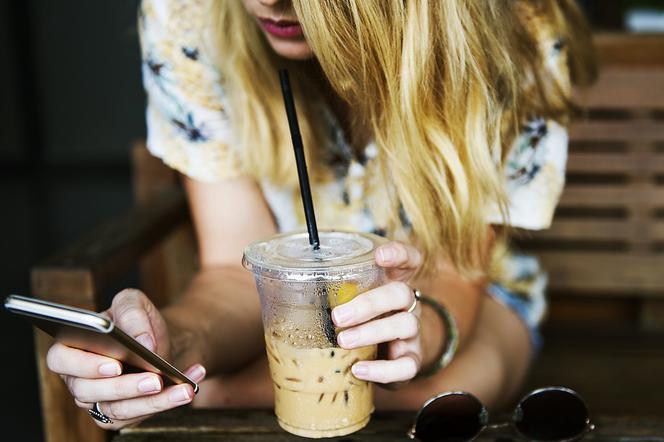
point(381, 316)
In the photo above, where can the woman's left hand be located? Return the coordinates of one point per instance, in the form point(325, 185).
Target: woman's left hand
point(380, 316)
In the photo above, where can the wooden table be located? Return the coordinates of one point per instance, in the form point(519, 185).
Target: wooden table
point(194, 425)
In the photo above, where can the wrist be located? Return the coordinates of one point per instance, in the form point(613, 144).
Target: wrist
point(184, 338)
point(439, 356)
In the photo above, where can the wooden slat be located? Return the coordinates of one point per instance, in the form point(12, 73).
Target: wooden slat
point(589, 229)
point(71, 286)
point(657, 230)
point(652, 315)
point(594, 196)
point(113, 248)
point(586, 229)
point(615, 163)
point(640, 130)
point(623, 87)
point(167, 268)
point(614, 372)
point(629, 49)
point(605, 273)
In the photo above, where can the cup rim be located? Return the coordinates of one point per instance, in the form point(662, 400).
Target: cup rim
point(280, 269)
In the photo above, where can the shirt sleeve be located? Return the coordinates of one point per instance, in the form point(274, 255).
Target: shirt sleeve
point(535, 165)
point(535, 176)
point(187, 125)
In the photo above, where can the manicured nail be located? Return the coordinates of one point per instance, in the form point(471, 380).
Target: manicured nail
point(360, 370)
point(149, 385)
point(179, 394)
point(197, 373)
point(146, 341)
point(349, 338)
point(387, 254)
point(342, 315)
point(110, 369)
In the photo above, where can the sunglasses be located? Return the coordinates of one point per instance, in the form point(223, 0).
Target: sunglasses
point(547, 414)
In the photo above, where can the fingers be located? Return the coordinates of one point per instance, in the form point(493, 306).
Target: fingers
point(113, 389)
point(69, 361)
point(130, 314)
point(133, 407)
point(389, 297)
point(115, 424)
point(396, 254)
point(385, 372)
point(403, 325)
point(128, 409)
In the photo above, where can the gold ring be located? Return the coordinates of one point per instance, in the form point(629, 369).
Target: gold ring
point(417, 295)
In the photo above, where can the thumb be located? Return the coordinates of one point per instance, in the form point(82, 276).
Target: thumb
point(129, 311)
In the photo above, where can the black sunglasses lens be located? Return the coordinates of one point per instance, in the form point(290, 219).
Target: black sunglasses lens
point(551, 415)
point(454, 417)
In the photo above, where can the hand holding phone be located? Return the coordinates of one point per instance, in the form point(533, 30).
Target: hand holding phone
point(89, 361)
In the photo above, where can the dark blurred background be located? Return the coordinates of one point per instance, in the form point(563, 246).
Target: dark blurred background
point(71, 104)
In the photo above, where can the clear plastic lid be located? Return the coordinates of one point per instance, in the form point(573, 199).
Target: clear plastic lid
point(290, 256)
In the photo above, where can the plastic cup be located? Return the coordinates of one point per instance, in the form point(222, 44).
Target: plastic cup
point(316, 394)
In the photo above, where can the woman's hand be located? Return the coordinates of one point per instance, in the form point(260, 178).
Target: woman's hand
point(127, 398)
point(380, 316)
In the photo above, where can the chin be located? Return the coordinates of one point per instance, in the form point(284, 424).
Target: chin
point(298, 50)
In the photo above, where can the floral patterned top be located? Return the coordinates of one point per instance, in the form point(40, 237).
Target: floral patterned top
point(190, 131)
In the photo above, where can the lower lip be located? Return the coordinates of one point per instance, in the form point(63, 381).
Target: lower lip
point(282, 31)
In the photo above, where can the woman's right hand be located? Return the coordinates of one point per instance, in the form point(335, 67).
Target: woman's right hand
point(124, 398)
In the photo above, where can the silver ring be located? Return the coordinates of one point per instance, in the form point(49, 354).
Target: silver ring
point(417, 295)
point(96, 414)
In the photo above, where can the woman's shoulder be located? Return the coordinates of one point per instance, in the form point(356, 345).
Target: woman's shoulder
point(188, 127)
point(187, 22)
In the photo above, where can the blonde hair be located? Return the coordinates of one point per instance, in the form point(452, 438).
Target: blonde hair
point(443, 85)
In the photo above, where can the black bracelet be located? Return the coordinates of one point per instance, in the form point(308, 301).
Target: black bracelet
point(451, 343)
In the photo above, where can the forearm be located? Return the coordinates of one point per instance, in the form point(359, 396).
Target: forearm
point(217, 321)
point(461, 298)
point(491, 366)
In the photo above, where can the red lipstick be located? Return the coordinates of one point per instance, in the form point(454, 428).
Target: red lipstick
point(282, 29)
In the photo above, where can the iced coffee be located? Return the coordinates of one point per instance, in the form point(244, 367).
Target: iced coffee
point(316, 394)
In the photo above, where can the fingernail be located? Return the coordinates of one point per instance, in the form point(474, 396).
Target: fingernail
point(360, 370)
point(146, 341)
point(349, 338)
point(197, 373)
point(110, 369)
point(149, 385)
point(179, 394)
point(342, 314)
point(387, 254)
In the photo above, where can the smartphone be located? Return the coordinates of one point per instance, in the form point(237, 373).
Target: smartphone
point(95, 333)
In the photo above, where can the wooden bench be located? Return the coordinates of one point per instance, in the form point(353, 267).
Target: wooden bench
point(607, 240)
point(604, 252)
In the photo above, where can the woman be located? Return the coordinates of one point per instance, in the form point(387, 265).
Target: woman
point(431, 123)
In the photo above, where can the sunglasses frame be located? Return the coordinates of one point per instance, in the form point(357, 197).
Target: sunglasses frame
point(510, 425)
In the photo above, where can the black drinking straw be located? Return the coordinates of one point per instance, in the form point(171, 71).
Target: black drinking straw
point(303, 175)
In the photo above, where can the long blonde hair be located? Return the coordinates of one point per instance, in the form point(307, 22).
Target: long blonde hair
point(443, 85)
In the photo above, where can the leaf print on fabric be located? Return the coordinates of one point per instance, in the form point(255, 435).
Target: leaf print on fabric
point(189, 128)
point(528, 156)
point(190, 53)
point(154, 66)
